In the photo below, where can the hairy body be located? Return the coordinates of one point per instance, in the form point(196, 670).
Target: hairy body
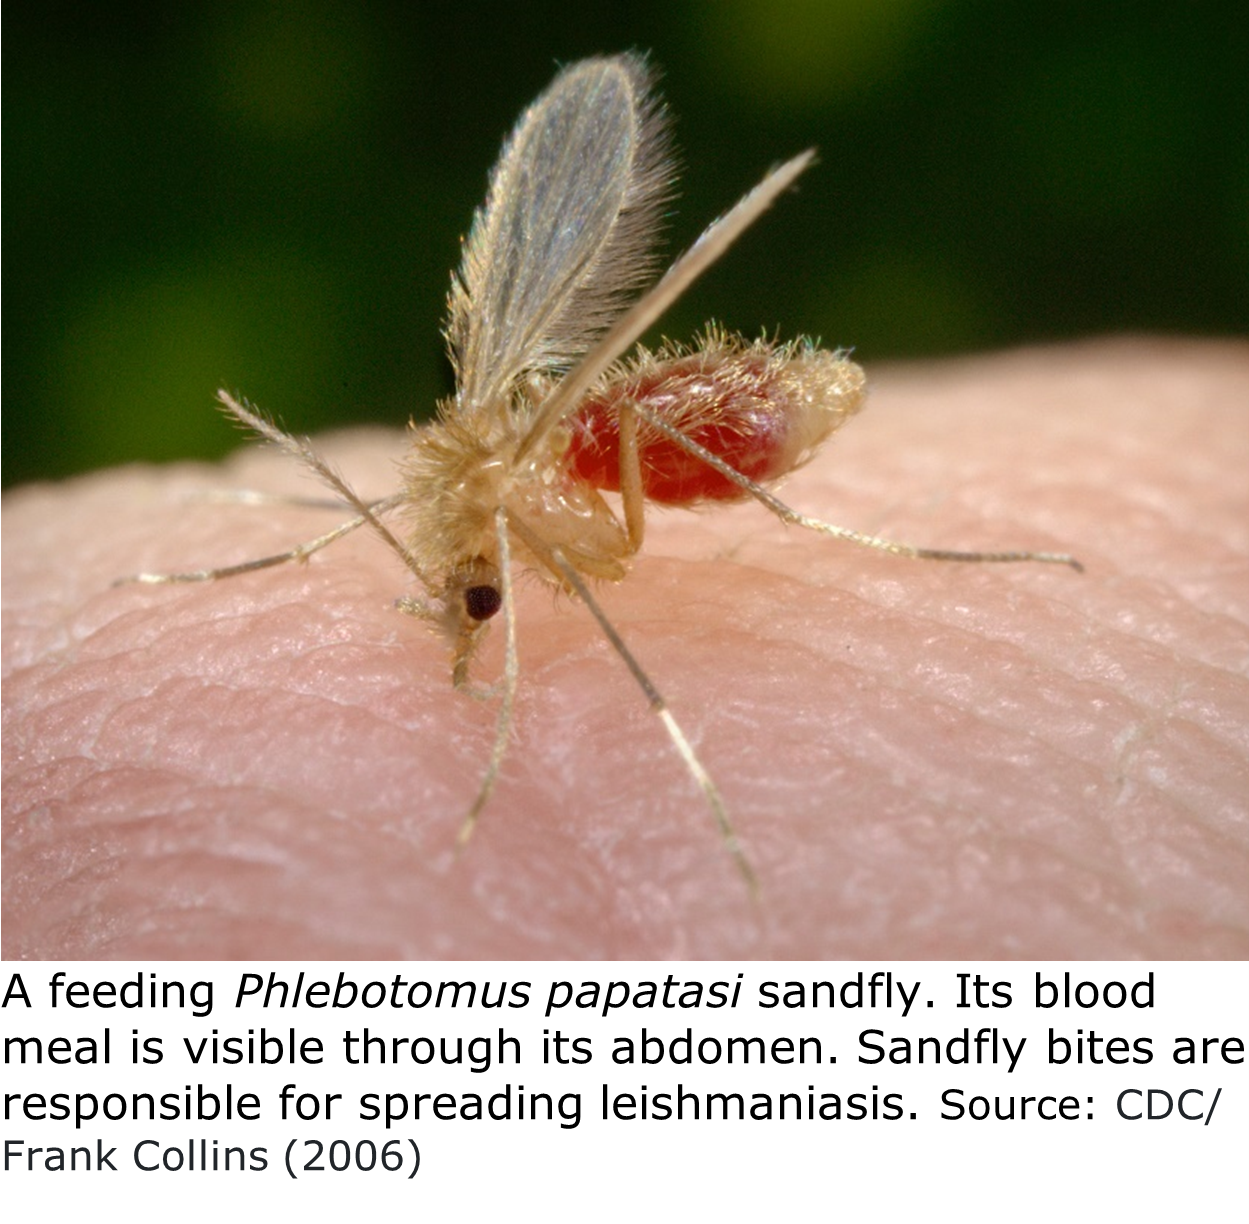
point(921, 760)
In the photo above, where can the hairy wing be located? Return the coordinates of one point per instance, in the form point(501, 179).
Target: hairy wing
point(628, 328)
point(565, 234)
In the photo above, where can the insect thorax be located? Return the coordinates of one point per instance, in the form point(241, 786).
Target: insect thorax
point(461, 468)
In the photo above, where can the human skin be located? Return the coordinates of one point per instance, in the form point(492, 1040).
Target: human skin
point(922, 759)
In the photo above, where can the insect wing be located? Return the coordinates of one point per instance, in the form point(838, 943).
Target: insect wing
point(628, 328)
point(565, 234)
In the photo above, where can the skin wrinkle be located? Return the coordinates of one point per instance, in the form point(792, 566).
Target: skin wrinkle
point(922, 759)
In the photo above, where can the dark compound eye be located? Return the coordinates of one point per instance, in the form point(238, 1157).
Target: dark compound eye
point(482, 602)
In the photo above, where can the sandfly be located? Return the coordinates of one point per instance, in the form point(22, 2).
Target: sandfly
point(548, 413)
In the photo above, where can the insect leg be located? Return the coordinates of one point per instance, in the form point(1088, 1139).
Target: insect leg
point(789, 515)
point(562, 567)
point(631, 495)
point(301, 552)
point(302, 450)
point(660, 707)
point(258, 497)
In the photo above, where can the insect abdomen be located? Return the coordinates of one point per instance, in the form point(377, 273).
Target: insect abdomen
point(762, 409)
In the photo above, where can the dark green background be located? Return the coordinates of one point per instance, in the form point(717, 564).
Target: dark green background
point(270, 197)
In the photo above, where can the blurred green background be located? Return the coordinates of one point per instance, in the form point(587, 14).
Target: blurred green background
point(270, 197)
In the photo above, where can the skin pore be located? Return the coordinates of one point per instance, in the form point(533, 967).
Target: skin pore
point(921, 759)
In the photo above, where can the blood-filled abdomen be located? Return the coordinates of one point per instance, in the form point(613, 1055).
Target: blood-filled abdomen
point(762, 409)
